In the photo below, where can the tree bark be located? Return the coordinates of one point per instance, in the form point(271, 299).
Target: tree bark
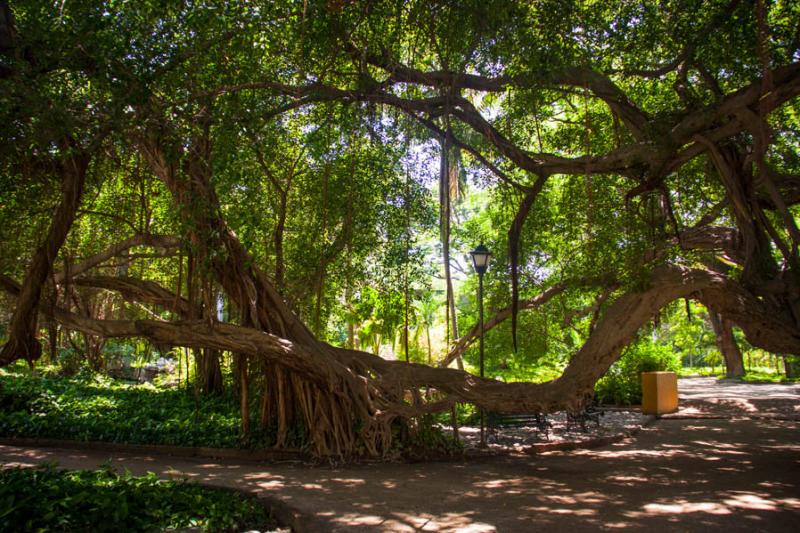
point(726, 342)
point(22, 342)
point(210, 372)
point(234, 269)
point(445, 212)
point(244, 394)
point(791, 366)
point(349, 385)
point(163, 242)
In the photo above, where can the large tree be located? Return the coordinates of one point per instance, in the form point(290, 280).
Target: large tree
point(641, 151)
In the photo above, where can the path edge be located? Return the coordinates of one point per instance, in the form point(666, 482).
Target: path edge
point(265, 456)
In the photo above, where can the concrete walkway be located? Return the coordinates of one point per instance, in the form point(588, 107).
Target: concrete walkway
point(738, 474)
point(708, 396)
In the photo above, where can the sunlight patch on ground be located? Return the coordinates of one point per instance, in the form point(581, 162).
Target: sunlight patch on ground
point(17, 465)
point(725, 505)
point(271, 485)
point(633, 454)
point(498, 483)
point(417, 521)
point(562, 511)
point(724, 448)
point(751, 501)
point(352, 482)
point(787, 447)
point(258, 476)
point(179, 473)
point(354, 520)
point(217, 465)
point(680, 507)
point(463, 523)
point(629, 479)
point(555, 498)
point(618, 525)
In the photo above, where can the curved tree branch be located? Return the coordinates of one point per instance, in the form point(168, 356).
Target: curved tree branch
point(531, 303)
point(155, 241)
point(22, 342)
point(616, 328)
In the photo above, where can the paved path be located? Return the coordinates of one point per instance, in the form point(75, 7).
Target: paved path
point(709, 396)
point(738, 474)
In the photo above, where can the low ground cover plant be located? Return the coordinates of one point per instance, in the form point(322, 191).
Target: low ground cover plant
point(761, 376)
point(92, 408)
point(47, 499)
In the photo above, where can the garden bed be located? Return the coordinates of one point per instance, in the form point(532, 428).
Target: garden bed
point(101, 409)
point(45, 499)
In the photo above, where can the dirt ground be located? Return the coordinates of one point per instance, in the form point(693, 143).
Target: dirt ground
point(707, 468)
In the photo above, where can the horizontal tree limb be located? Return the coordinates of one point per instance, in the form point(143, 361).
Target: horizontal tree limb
point(155, 241)
point(344, 371)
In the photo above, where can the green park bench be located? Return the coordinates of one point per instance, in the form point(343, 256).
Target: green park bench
point(592, 413)
point(539, 421)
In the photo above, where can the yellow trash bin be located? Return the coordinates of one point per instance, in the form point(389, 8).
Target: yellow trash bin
point(659, 392)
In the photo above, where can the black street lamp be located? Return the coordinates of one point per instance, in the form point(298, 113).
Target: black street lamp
point(480, 260)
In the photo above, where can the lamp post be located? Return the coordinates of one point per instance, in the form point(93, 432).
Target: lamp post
point(480, 261)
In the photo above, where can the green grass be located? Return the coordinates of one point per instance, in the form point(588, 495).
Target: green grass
point(756, 374)
point(767, 377)
point(46, 499)
point(101, 409)
point(692, 371)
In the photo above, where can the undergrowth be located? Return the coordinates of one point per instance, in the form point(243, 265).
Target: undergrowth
point(94, 408)
point(47, 499)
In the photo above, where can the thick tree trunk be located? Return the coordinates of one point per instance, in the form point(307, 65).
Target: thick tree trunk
point(209, 372)
point(234, 269)
point(791, 367)
point(736, 176)
point(445, 212)
point(244, 394)
point(341, 386)
point(726, 342)
point(52, 338)
point(22, 342)
point(338, 400)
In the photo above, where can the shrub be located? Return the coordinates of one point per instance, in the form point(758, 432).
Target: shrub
point(70, 360)
point(622, 384)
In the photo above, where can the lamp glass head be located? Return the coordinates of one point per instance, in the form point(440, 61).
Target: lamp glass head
point(480, 258)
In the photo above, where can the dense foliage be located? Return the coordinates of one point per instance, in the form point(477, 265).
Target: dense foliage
point(90, 407)
point(93, 408)
point(47, 499)
point(258, 183)
point(622, 384)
